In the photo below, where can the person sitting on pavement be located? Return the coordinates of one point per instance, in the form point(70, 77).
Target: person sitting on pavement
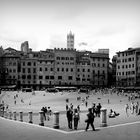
point(113, 114)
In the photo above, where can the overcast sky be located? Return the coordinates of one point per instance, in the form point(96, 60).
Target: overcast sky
point(113, 24)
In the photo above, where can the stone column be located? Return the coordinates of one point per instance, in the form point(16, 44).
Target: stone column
point(56, 120)
point(10, 115)
point(41, 118)
point(15, 115)
point(103, 117)
point(30, 117)
point(21, 116)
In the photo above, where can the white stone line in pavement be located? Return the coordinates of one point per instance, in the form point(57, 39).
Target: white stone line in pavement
point(124, 124)
point(71, 132)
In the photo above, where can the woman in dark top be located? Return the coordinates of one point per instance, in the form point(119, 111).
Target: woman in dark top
point(90, 120)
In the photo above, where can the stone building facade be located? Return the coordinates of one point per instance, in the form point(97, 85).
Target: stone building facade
point(56, 67)
point(128, 67)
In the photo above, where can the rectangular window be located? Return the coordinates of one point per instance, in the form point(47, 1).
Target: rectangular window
point(51, 77)
point(23, 76)
point(29, 64)
point(29, 77)
point(133, 65)
point(46, 77)
point(71, 58)
point(77, 79)
point(14, 70)
point(62, 58)
point(59, 77)
point(40, 77)
point(58, 58)
point(23, 70)
point(23, 63)
point(67, 58)
point(29, 70)
point(83, 79)
point(69, 77)
point(34, 70)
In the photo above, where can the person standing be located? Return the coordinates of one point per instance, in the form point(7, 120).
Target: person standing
point(67, 107)
point(78, 108)
point(43, 110)
point(137, 108)
point(69, 118)
point(49, 112)
point(98, 107)
point(86, 103)
point(90, 119)
point(132, 107)
point(126, 109)
point(76, 118)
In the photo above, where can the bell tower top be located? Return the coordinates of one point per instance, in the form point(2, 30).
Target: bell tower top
point(70, 40)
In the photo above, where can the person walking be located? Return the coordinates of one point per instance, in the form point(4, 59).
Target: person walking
point(90, 119)
point(76, 118)
point(69, 118)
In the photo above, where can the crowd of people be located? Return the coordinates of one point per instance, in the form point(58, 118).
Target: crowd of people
point(73, 115)
point(46, 112)
point(133, 108)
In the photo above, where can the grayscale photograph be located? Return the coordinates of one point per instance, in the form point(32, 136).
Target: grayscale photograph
point(69, 69)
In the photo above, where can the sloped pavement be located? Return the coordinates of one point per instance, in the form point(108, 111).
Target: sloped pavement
point(12, 130)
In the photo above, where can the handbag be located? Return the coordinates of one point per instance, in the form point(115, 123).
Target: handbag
point(86, 120)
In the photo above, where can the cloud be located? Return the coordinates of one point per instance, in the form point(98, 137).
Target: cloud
point(111, 30)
